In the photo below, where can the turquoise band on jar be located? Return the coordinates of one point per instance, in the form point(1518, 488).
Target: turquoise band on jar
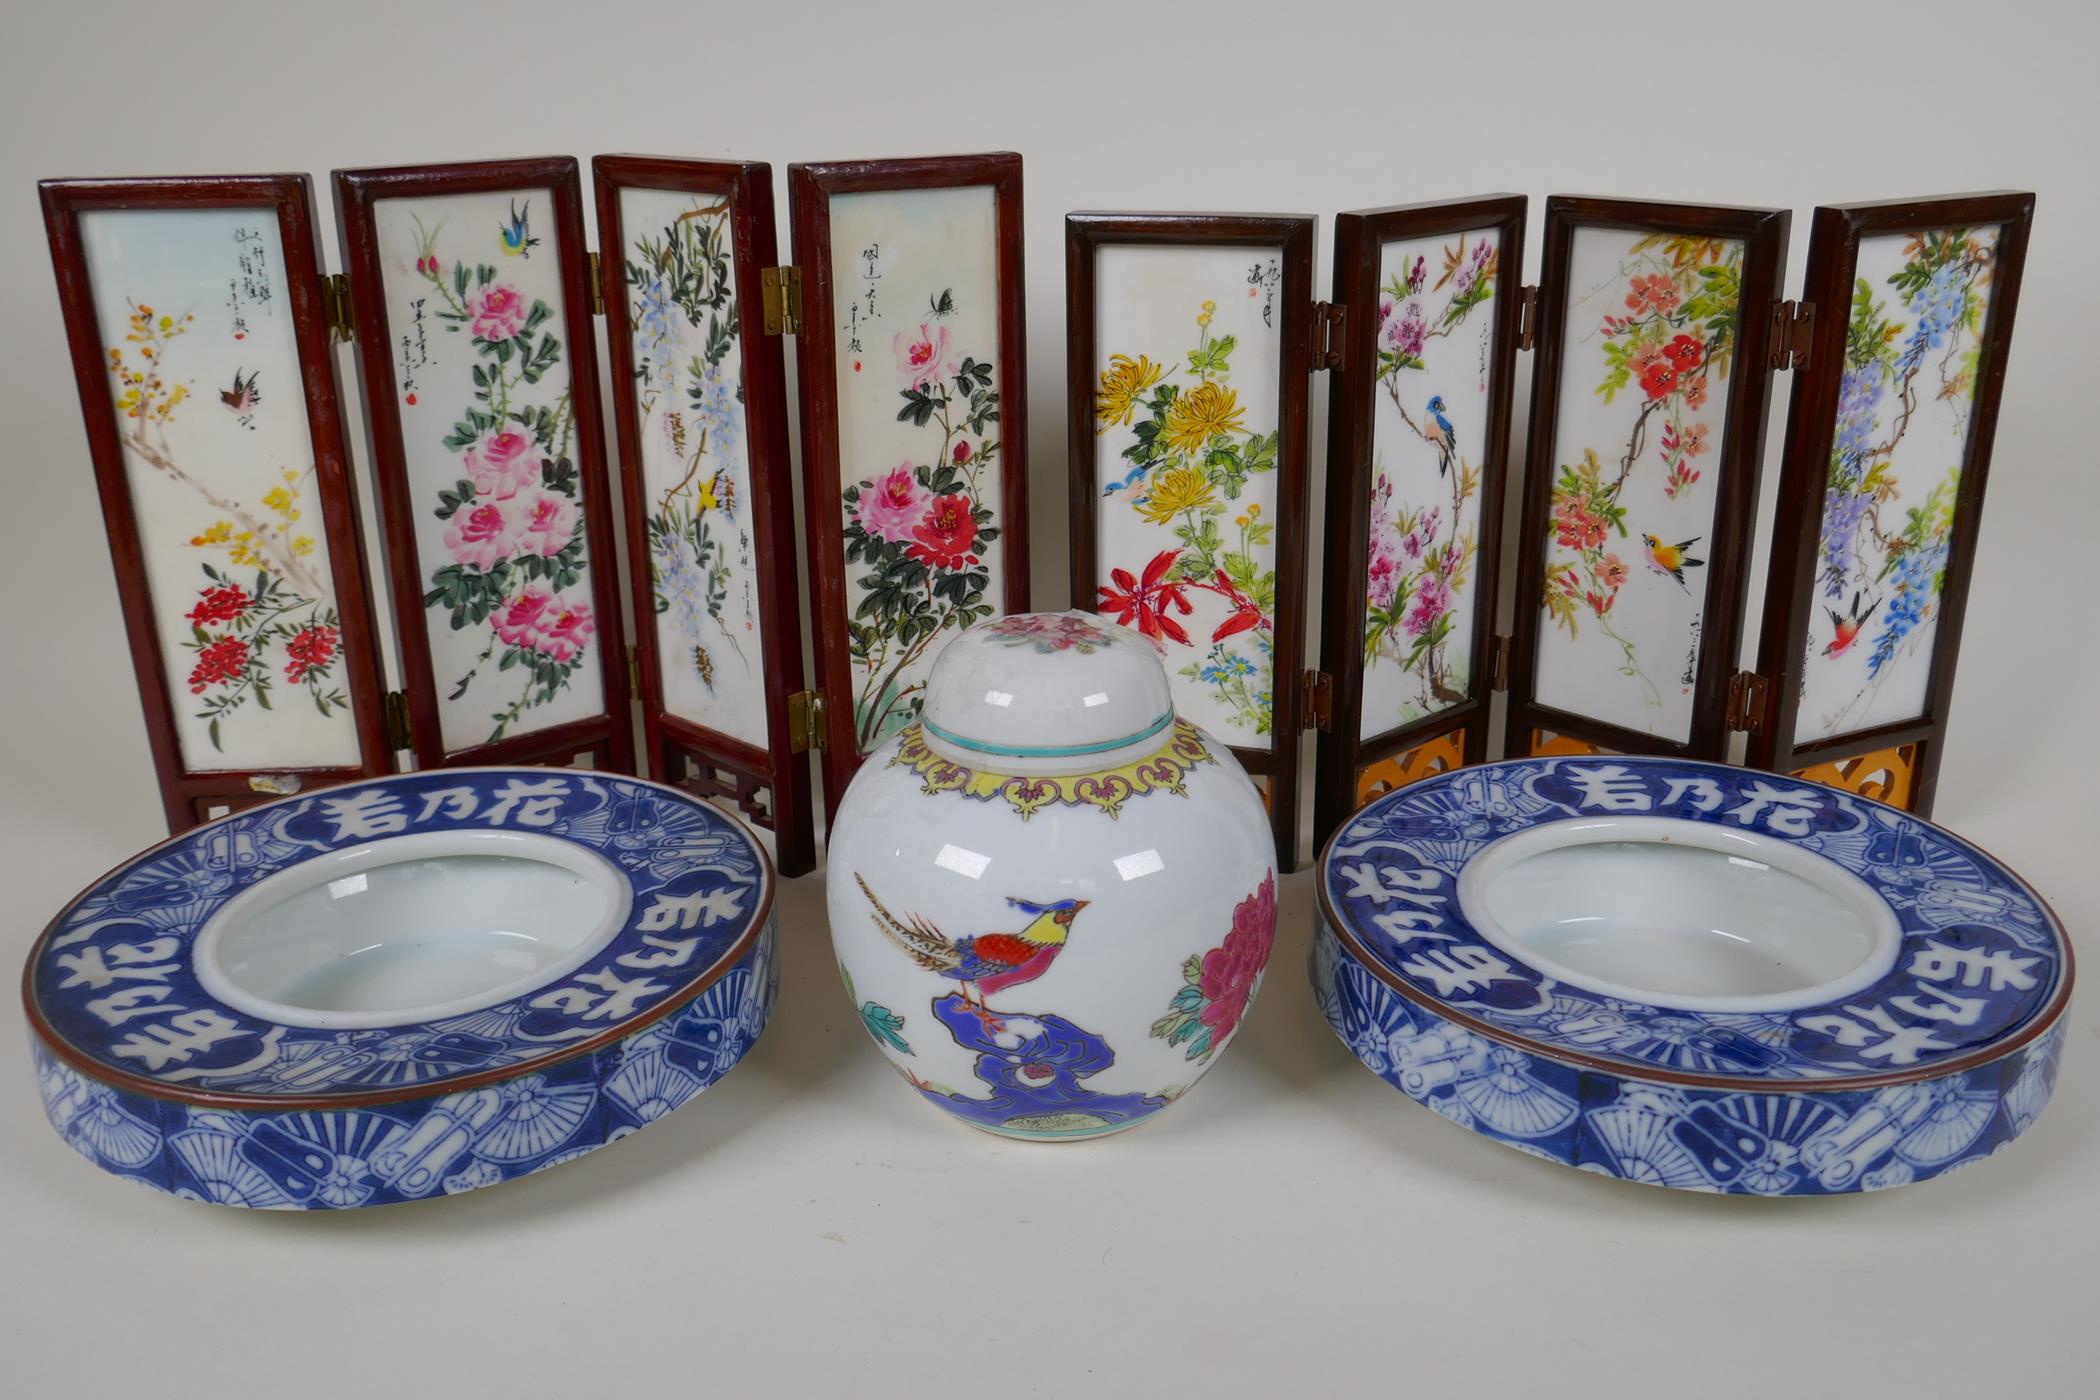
point(1048, 750)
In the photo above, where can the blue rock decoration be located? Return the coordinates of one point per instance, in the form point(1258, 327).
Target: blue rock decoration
point(1948, 1057)
point(150, 1077)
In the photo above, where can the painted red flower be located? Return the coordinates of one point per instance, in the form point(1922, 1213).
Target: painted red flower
point(219, 663)
point(1656, 294)
point(963, 451)
point(942, 539)
point(220, 605)
point(1685, 353)
point(1245, 615)
point(1233, 968)
point(1695, 392)
point(310, 649)
point(1659, 379)
point(1146, 602)
point(1576, 525)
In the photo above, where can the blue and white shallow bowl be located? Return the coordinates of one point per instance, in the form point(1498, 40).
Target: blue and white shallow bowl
point(401, 988)
point(1692, 975)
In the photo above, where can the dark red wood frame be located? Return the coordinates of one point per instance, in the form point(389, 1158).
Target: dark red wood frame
point(676, 745)
point(608, 737)
point(1360, 237)
point(189, 797)
point(1833, 256)
point(1738, 463)
point(1292, 236)
point(810, 188)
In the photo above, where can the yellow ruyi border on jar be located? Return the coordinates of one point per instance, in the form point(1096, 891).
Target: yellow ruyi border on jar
point(1166, 769)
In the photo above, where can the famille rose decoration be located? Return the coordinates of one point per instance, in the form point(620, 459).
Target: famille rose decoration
point(913, 377)
point(1888, 449)
point(1418, 435)
point(1051, 897)
point(209, 397)
point(1692, 975)
point(478, 362)
point(700, 411)
point(1189, 364)
point(1656, 338)
point(402, 988)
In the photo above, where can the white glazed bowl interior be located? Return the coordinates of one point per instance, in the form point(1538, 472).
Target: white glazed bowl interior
point(1681, 914)
point(412, 928)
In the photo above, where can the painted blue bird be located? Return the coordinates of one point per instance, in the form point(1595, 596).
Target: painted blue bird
point(518, 241)
point(1440, 434)
point(987, 962)
point(1135, 474)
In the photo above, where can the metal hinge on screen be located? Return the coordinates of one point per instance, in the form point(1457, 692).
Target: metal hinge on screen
point(1793, 326)
point(597, 285)
point(806, 721)
point(1498, 663)
point(1317, 700)
point(1330, 325)
point(1746, 702)
point(399, 733)
point(780, 289)
point(335, 307)
point(1527, 317)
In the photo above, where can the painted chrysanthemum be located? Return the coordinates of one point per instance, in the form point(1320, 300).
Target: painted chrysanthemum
point(1123, 383)
point(1201, 414)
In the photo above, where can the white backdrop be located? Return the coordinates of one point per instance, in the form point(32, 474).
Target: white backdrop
point(806, 1228)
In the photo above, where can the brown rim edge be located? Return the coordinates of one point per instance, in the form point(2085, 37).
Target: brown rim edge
point(2043, 1020)
point(43, 1033)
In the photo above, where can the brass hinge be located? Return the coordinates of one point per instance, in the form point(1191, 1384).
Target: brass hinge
point(1319, 700)
point(335, 307)
point(1330, 326)
point(1746, 702)
point(634, 673)
point(1793, 327)
point(597, 285)
point(399, 733)
point(1498, 665)
point(1527, 317)
point(781, 290)
point(806, 720)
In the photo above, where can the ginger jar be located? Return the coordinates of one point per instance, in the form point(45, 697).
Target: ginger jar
point(1051, 898)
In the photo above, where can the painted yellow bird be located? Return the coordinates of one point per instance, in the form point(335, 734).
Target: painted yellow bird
point(984, 962)
point(1673, 559)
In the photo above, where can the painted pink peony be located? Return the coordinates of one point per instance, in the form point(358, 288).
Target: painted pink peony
point(517, 621)
point(565, 629)
point(1233, 968)
point(498, 312)
point(557, 627)
point(481, 533)
point(545, 522)
point(922, 357)
point(892, 504)
point(502, 464)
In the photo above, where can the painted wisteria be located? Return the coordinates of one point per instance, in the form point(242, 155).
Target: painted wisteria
point(1429, 434)
point(688, 393)
point(1185, 475)
point(513, 523)
point(1912, 346)
point(918, 530)
point(1631, 505)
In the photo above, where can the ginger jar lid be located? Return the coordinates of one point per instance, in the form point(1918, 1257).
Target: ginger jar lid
point(1047, 693)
